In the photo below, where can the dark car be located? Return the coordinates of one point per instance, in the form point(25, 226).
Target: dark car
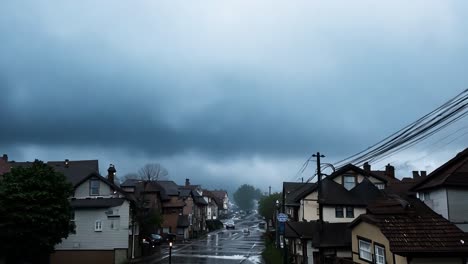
point(153, 240)
point(169, 237)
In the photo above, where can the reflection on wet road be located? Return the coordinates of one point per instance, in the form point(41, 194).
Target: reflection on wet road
point(223, 246)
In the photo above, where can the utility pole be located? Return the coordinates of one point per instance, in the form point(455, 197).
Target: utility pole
point(269, 192)
point(319, 182)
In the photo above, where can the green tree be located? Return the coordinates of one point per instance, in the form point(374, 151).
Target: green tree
point(34, 212)
point(245, 195)
point(267, 205)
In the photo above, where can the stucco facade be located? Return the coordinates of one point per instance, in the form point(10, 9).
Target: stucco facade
point(308, 210)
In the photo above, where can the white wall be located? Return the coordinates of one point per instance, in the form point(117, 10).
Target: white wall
point(309, 207)
point(83, 190)
point(458, 205)
point(87, 238)
point(329, 214)
point(438, 201)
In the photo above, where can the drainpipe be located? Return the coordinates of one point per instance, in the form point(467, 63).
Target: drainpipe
point(133, 238)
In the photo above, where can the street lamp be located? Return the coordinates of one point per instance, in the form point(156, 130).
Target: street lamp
point(170, 252)
point(276, 224)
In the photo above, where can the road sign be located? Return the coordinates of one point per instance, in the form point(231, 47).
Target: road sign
point(282, 217)
point(281, 228)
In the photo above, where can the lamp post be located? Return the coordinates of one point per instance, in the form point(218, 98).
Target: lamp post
point(170, 252)
point(276, 224)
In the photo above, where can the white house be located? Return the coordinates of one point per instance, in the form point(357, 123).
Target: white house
point(101, 213)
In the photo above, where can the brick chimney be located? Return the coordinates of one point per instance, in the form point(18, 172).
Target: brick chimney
point(187, 182)
point(367, 166)
point(390, 171)
point(5, 157)
point(423, 173)
point(67, 163)
point(415, 174)
point(111, 173)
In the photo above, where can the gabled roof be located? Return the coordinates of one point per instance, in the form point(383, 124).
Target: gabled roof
point(74, 170)
point(413, 228)
point(336, 190)
point(170, 188)
point(184, 193)
point(213, 197)
point(348, 167)
point(334, 193)
point(200, 200)
point(294, 191)
point(453, 173)
point(323, 235)
point(219, 193)
point(130, 183)
point(302, 192)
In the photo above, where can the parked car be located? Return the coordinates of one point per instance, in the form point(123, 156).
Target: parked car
point(153, 240)
point(246, 231)
point(169, 237)
point(230, 225)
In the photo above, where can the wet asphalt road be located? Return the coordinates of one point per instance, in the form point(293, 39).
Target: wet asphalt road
point(221, 246)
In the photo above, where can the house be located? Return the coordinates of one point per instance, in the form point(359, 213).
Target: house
point(344, 195)
point(403, 231)
point(212, 207)
point(445, 190)
point(101, 214)
point(172, 206)
point(199, 208)
point(291, 192)
point(222, 201)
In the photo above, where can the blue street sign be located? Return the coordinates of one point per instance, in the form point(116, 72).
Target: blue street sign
point(282, 217)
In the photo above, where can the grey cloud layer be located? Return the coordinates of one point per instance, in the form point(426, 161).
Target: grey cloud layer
point(171, 78)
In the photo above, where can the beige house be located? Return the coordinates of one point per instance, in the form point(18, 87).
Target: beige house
point(398, 231)
point(344, 195)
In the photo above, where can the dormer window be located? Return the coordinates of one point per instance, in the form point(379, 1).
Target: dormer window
point(349, 182)
point(94, 187)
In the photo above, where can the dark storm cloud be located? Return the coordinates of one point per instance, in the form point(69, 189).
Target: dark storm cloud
point(206, 79)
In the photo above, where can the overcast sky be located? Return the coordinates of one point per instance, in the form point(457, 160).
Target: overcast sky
point(227, 92)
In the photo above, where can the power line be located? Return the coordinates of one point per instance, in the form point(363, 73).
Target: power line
point(426, 126)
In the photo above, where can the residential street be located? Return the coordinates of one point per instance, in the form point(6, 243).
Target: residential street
point(221, 246)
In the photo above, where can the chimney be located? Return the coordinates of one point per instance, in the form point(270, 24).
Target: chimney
point(415, 174)
point(187, 182)
point(67, 163)
point(5, 157)
point(390, 171)
point(423, 173)
point(111, 173)
point(366, 166)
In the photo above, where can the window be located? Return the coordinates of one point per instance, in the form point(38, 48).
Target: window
point(349, 181)
point(339, 212)
point(94, 187)
point(318, 211)
point(349, 212)
point(379, 252)
point(115, 224)
point(98, 226)
point(380, 186)
point(365, 250)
